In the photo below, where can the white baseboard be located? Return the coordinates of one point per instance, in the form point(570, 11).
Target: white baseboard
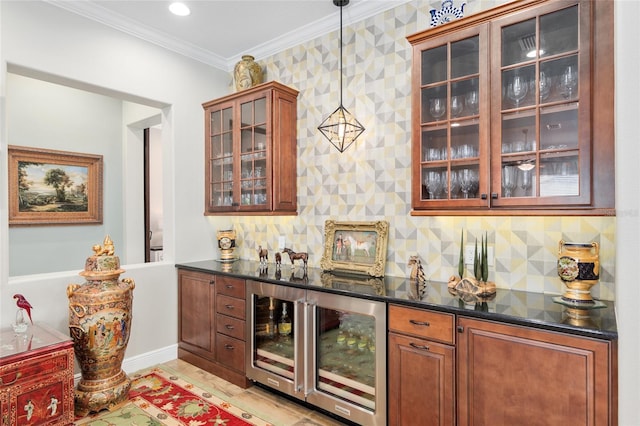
point(145, 360)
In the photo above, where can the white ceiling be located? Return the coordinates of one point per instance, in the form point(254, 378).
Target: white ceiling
point(219, 32)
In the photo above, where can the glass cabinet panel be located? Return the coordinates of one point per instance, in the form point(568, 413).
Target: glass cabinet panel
point(539, 144)
point(221, 160)
point(253, 160)
point(450, 126)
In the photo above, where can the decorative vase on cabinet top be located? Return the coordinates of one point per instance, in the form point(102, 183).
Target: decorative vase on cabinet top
point(100, 324)
point(247, 73)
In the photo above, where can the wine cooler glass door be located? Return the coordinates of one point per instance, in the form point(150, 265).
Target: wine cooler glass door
point(347, 357)
point(276, 352)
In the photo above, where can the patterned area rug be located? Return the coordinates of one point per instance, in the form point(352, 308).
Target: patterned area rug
point(158, 397)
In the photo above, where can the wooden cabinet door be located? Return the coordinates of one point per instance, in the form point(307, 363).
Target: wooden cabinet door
point(251, 151)
point(421, 382)
point(510, 375)
point(196, 304)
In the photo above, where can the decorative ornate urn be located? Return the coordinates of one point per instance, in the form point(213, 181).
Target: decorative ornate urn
point(100, 324)
point(247, 73)
point(579, 269)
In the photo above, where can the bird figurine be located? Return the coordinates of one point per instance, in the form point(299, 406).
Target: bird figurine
point(22, 303)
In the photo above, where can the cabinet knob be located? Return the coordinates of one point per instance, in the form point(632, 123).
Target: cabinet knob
point(460, 329)
point(423, 323)
point(494, 195)
point(212, 282)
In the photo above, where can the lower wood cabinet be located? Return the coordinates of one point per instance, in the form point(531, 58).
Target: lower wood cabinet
point(510, 375)
point(421, 362)
point(211, 324)
point(492, 373)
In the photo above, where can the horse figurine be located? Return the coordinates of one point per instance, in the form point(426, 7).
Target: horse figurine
point(296, 256)
point(278, 259)
point(263, 254)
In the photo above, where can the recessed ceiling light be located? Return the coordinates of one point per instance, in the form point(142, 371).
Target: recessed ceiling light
point(179, 9)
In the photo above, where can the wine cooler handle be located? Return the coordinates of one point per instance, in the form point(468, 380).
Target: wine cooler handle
point(302, 312)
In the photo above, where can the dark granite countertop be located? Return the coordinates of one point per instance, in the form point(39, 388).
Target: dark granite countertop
point(509, 306)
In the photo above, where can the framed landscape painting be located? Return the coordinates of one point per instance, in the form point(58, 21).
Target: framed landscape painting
point(49, 187)
point(358, 247)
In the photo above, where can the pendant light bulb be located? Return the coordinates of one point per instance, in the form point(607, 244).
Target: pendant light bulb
point(341, 128)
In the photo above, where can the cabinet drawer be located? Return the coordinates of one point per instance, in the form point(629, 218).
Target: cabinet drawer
point(233, 287)
point(230, 352)
point(32, 368)
point(230, 306)
point(230, 326)
point(417, 322)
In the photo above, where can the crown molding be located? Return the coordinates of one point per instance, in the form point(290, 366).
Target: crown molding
point(355, 12)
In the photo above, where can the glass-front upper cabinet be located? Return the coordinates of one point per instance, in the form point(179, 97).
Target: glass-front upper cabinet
point(251, 151)
point(450, 137)
point(512, 111)
point(542, 138)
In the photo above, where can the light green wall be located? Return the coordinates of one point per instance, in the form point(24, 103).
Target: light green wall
point(371, 180)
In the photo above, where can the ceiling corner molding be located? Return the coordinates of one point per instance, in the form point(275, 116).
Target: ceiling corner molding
point(104, 16)
point(357, 11)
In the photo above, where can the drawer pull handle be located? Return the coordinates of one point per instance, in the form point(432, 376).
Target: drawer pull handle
point(229, 327)
point(424, 323)
point(228, 306)
point(18, 375)
point(229, 286)
point(421, 347)
point(229, 347)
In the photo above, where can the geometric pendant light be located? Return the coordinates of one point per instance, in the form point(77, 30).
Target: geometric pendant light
point(341, 128)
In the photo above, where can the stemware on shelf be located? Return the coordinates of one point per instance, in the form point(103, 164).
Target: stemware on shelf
point(468, 182)
point(568, 82)
point(437, 107)
point(457, 105)
point(526, 179)
point(454, 185)
point(435, 183)
point(509, 179)
point(517, 89)
point(472, 101)
point(545, 86)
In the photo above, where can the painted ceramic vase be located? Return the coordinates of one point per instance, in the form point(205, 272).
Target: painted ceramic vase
point(100, 324)
point(579, 269)
point(247, 73)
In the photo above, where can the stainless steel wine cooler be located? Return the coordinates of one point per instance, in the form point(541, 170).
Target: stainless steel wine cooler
point(326, 349)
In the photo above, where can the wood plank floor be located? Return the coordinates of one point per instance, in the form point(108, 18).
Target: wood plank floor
point(280, 410)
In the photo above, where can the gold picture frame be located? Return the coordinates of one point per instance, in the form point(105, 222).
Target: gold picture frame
point(50, 187)
point(355, 247)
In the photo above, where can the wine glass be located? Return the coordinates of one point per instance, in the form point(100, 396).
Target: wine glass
point(437, 107)
point(526, 179)
point(434, 183)
point(472, 101)
point(454, 185)
point(517, 89)
point(568, 82)
point(468, 182)
point(457, 104)
point(545, 86)
point(509, 179)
